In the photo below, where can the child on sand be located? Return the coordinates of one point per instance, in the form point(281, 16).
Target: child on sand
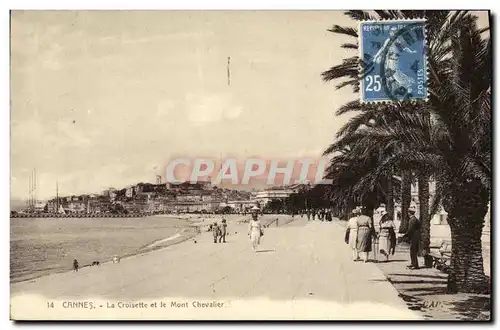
point(75, 265)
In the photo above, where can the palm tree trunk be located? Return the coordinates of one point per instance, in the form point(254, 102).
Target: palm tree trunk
point(467, 205)
point(425, 219)
point(390, 197)
point(405, 200)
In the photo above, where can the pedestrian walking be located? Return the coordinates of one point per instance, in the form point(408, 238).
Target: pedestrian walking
point(364, 243)
point(223, 231)
point(328, 215)
point(413, 234)
point(387, 236)
point(75, 265)
point(255, 231)
point(351, 237)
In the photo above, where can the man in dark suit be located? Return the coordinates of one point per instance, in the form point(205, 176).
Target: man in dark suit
point(413, 234)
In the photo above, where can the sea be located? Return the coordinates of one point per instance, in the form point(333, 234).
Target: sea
point(42, 246)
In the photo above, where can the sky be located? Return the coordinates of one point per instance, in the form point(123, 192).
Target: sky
point(102, 99)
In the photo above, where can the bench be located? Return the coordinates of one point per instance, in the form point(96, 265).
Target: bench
point(441, 259)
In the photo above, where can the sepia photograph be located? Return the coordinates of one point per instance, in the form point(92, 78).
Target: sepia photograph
point(255, 165)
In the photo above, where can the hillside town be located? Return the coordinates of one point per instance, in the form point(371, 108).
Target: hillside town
point(149, 198)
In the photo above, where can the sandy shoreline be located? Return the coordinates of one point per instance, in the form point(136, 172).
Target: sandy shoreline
point(162, 243)
point(184, 232)
point(193, 228)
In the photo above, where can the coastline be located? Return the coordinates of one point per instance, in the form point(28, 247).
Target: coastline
point(180, 239)
point(182, 233)
point(192, 228)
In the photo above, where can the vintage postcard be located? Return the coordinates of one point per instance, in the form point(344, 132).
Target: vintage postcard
point(250, 165)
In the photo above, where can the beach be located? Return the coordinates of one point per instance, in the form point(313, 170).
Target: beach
point(42, 246)
point(302, 270)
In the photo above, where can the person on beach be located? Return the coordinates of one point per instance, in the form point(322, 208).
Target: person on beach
point(255, 231)
point(308, 212)
point(364, 242)
point(387, 236)
point(215, 231)
point(413, 234)
point(314, 214)
point(351, 237)
point(75, 265)
point(223, 231)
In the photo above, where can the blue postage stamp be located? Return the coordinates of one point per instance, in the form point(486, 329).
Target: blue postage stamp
point(393, 60)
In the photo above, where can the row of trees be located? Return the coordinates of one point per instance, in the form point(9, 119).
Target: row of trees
point(304, 198)
point(447, 139)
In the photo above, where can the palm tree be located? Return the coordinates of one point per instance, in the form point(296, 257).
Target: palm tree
point(425, 219)
point(406, 180)
point(459, 154)
point(456, 149)
point(350, 69)
point(461, 99)
point(353, 162)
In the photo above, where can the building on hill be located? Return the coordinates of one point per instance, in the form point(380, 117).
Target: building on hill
point(241, 205)
point(200, 185)
point(188, 197)
point(40, 206)
point(130, 191)
point(267, 195)
point(75, 206)
point(145, 195)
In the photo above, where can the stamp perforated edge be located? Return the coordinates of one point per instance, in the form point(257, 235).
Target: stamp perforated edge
point(360, 67)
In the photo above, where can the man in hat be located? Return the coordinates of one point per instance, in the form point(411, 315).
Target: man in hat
point(223, 229)
point(413, 234)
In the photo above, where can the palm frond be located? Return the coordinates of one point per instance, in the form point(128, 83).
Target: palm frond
point(359, 15)
point(435, 203)
point(472, 169)
point(349, 31)
point(352, 106)
point(385, 14)
point(351, 82)
point(349, 68)
point(349, 46)
point(481, 31)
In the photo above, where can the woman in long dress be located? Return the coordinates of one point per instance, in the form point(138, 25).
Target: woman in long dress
point(364, 242)
point(255, 230)
point(386, 236)
point(352, 227)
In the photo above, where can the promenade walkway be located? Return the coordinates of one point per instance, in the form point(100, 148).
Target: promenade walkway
point(301, 271)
